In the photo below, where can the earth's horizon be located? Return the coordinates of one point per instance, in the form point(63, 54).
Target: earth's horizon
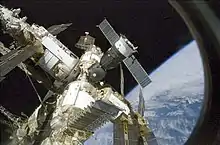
point(173, 100)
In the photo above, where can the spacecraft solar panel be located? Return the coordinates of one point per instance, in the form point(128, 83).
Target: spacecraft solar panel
point(131, 62)
point(56, 29)
point(109, 32)
point(137, 71)
point(10, 60)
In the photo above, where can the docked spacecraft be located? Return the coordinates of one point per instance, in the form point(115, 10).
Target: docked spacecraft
point(78, 101)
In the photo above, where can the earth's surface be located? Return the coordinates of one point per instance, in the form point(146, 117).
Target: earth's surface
point(173, 100)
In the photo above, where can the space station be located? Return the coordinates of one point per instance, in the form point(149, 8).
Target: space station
point(78, 101)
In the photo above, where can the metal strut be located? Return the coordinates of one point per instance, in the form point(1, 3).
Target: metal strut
point(9, 115)
point(122, 80)
point(32, 84)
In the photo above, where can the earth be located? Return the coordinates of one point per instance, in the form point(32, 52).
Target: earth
point(173, 100)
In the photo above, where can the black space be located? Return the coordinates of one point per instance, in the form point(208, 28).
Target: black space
point(153, 25)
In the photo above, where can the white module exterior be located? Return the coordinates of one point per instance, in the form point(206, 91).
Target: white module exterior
point(124, 49)
point(48, 61)
point(118, 103)
point(76, 96)
point(57, 60)
point(91, 56)
point(57, 50)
